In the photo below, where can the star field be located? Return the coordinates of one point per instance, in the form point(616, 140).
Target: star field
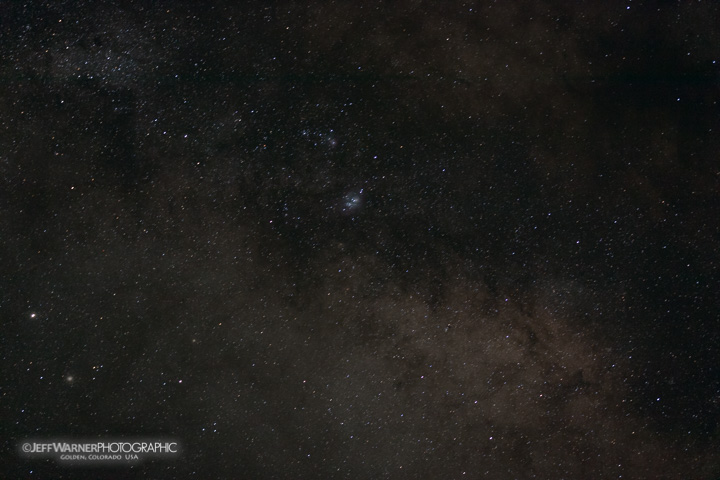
point(363, 240)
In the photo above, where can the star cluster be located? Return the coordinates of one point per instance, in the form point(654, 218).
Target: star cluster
point(363, 240)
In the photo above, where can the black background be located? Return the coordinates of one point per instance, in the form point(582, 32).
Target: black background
point(363, 239)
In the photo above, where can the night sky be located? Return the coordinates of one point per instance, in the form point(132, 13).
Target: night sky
point(352, 239)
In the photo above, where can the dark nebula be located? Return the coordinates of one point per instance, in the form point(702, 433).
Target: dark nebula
point(363, 239)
